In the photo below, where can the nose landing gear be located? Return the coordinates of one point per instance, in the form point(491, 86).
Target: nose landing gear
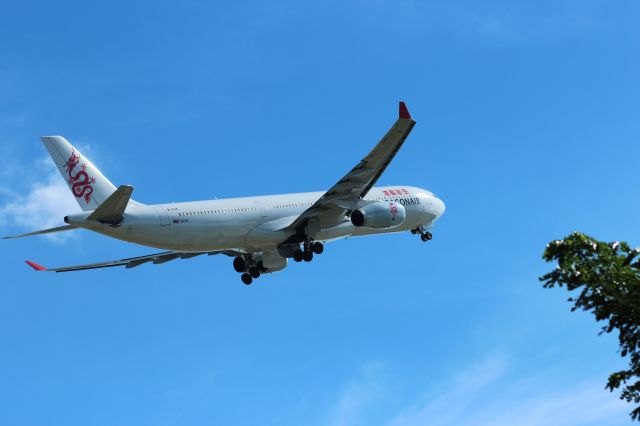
point(424, 235)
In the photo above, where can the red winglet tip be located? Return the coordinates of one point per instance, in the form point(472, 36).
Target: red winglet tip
point(404, 112)
point(35, 266)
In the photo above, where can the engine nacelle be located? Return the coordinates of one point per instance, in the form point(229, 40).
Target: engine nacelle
point(381, 214)
point(271, 261)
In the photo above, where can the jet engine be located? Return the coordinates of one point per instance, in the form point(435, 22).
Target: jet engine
point(379, 215)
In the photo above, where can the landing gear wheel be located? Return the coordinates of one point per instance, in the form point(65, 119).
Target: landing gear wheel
point(246, 278)
point(317, 247)
point(414, 231)
point(297, 256)
point(307, 256)
point(254, 273)
point(239, 264)
point(426, 236)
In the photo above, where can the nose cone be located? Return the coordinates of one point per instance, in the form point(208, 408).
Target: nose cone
point(439, 207)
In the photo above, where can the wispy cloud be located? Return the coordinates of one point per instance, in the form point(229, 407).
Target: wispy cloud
point(452, 406)
point(356, 396)
point(512, 23)
point(585, 403)
point(489, 392)
point(502, 21)
point(42, 203)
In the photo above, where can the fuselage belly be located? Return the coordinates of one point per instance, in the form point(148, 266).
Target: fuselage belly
point(253, 223)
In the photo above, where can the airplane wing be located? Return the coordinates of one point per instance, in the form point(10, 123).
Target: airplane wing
point(132, 262)
point(348, 193)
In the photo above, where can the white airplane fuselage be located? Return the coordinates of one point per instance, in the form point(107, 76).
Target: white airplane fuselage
point(250, 223)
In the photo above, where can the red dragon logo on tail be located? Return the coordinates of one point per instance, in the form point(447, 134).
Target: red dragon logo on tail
point(81, 181)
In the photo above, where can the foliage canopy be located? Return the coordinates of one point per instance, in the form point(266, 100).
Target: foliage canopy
point(606, 279)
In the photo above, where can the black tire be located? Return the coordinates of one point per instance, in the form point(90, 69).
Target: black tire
point(297, 256)
point(246, 278)
point(317, 247)
point(255, 273)
point(424, 237)
point(307, 256)
point(414, 232)
point(239, 264)
point(429, 235)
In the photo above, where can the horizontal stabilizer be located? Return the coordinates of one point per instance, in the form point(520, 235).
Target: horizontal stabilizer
point(44, 231)
point(111, 211)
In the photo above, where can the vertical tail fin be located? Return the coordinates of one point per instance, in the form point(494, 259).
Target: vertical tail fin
point(85, 181)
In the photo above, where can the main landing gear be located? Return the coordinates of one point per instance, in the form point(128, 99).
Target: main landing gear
point(424, 235)
point(308, 250)
point(250, 270)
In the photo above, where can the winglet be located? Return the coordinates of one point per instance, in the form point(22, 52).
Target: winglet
point(35, 266)
point(404, 112)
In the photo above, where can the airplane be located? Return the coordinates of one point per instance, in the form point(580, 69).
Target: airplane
point(260, 233)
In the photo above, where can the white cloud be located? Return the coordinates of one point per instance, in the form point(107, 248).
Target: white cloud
point(503, 21)
point(356, 396)
point(451, 407)
point(584, 403)
point(512, 23)
point(41, 204)
point(489, 392)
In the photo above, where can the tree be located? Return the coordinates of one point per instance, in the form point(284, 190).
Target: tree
point(606, 278)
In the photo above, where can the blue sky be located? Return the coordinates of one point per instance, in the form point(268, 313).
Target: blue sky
point(527, 128)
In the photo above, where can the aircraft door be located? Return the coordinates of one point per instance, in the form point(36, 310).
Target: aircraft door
point(163, 216)
point(262, 212)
